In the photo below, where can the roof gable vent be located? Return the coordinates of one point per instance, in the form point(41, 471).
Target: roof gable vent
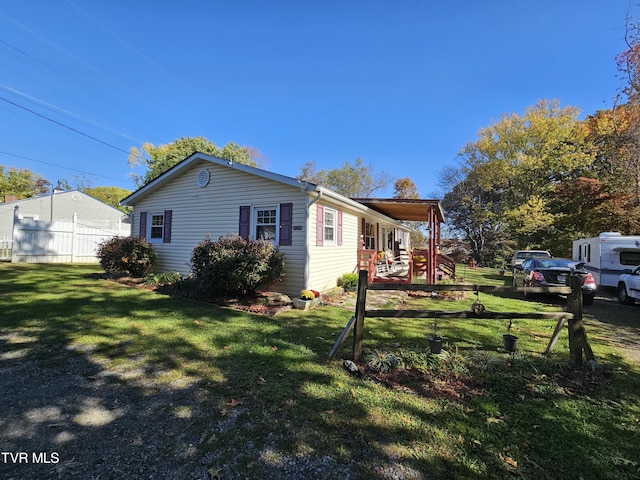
point(203, 178)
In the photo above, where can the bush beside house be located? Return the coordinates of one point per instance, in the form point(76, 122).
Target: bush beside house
point(128, 255)
point(234, 266)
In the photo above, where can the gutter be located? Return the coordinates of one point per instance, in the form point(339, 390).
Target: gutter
point(307, 240)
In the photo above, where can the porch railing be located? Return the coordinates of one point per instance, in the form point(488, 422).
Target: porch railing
point(367, 260)
point(447, 264)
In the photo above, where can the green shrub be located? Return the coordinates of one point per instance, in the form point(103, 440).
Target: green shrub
point(234, 266)
point(128, 255)
point(349, 281)
point(164, 278)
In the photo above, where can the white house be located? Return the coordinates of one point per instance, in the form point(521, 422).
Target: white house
point(60, 227)
point(61, 207)
point(319, 231)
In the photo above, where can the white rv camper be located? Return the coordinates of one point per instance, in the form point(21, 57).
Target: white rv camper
point(607, 255)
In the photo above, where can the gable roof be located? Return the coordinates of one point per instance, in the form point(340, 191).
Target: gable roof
point(305, 186)
point(369, 206)
point(70, 197)
point(158, 182)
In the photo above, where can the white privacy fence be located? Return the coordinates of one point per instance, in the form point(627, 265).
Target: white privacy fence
point(5, 248)
point(38, 241)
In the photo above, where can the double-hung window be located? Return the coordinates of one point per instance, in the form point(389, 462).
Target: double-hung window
point(156, 226)
point(330, 223)
point(266, 224)
point(370, 236)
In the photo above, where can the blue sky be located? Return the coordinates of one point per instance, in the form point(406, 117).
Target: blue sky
point(402, 85)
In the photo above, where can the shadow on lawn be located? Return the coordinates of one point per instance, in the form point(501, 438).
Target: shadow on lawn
point(182, 389)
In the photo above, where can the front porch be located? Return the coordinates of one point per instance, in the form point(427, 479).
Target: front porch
point(407, 265)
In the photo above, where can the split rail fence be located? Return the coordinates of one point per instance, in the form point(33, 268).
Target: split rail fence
point(578, 342)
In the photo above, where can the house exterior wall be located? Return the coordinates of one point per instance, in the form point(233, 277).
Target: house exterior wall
point(90, 212)
point(205, 197)
point(327, 263)
point(213, 211)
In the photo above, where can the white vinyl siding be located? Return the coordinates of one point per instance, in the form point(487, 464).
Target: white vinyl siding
point(328, 263)
point(90, 213)
point(213, 211)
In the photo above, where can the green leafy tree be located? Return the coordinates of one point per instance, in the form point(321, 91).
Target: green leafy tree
point(110, 195)
point(158, 159)
point(471, 209)
point(22, 183)
point(355, 180)
point(511, 174)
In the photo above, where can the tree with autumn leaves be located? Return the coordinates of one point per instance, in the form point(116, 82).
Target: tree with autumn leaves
point(542, 180)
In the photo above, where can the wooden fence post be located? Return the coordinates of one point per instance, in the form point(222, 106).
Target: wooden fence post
point(577, 335)
point(358, 326)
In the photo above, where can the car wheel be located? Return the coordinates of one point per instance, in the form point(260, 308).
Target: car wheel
point(622, 295)
point(587, 299)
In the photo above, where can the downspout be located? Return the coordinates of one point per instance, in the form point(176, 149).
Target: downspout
point(306, 272)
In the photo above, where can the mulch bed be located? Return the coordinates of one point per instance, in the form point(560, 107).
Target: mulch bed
point(262, 303)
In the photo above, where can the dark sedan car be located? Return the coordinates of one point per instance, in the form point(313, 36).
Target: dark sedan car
point(553, 272)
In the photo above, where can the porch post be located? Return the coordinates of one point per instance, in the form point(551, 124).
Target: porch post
point(431, 261)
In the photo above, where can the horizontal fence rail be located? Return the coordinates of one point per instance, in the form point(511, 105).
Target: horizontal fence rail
point(578, 342)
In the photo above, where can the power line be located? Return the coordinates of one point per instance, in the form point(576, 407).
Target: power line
point(95, 92)
point(126, 44)
point(67, 113)
point(65, 126)
point(60, 166)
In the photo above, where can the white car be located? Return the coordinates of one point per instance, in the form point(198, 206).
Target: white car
point(629, 287)
point(521, 255)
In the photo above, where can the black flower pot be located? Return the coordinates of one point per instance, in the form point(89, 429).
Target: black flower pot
point(510, 342)
point(435, 344)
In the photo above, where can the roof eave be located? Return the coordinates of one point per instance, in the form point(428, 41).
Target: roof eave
point(197, 156)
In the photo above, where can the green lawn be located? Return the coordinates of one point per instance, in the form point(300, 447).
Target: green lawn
point(264, 398)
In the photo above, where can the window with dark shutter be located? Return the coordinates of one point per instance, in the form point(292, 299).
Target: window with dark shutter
point(320, 226)
point(166, 234)
point(286, 224)
point(245, 221)
point(143, 225)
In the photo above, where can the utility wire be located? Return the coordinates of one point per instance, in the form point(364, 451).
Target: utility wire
point(65, 126)
point(60, 166)
point(67, 113)
point(100, 94)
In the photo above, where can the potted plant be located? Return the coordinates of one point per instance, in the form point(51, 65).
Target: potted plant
point(435, 341)
point(510, 341)
point(308, 299)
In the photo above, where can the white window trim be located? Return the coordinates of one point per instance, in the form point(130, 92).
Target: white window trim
point(334, 242)
point(254, 221)
point(372, 237)
point(150, 225)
